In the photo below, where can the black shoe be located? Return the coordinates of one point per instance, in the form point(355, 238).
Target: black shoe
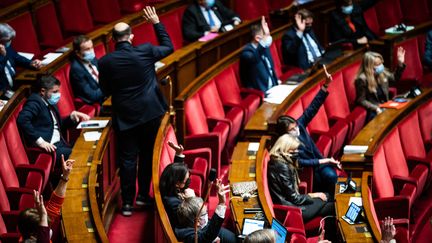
point(143, 201)
point(127, 210)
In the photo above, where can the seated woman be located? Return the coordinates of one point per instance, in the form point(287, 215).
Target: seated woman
point(284, 181)
point(373, 79)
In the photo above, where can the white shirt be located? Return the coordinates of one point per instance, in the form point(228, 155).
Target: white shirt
point(56, 132)
point(314, 45)
point(8, 74)
point(89, 69)
point(216, 20)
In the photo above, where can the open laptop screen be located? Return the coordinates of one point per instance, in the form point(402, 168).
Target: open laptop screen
point(280, 230)
point(252, 225)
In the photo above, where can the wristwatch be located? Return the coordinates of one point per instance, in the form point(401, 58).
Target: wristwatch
point(63, 178)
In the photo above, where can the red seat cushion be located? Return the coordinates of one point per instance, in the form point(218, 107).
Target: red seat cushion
point(26, 39)
point(131, 6)
point(75, 16)
point(143, 33)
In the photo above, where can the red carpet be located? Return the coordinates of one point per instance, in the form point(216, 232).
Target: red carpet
point(137, 228)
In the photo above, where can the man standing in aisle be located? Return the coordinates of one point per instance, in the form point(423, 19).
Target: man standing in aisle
point(128, 75)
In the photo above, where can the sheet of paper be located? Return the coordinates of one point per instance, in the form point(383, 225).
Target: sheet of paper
point(228, 27)
point(2, 104)
point(92, 124)
point(92, 136)
point(26, 55)
point(253, 147)
point(50, 57)
point(159, 65)
point(278, 93)
point(209, 36)
point(357, 200)
point(355, 149)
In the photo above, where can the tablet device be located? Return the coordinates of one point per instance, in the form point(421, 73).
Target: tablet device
point(251, 225)
point(353, 214)
point(280, 230)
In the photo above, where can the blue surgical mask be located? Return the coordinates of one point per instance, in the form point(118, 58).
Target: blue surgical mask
point(379, 69)
point(7, 44)
point(210, 3)
point(347, 9)
point(266, 42)
point(54, 99)
point(89, 55)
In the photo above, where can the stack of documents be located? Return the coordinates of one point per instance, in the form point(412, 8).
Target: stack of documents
point(355, 149)
point(278, 93)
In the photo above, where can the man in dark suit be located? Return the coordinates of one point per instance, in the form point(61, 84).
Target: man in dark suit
point(348, 24)
point(300, 47)
point(9, 59)
point(256, 63)
point(205, 16)
point(128, 74)
point(40, 120)
point(309, 155)
point(84, 74)
point(428, 50)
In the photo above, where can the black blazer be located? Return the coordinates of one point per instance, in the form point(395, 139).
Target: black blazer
point(254, 72)
point(15, 59)
point(128, 74)
point(83, 84)
point(294, 51)
point(35, 120)
point(194, 23)
point(428, 50)
point(339, 28)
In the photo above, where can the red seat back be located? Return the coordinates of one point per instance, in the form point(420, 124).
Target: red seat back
point(276, 60)
point(104, 11)
point(415, 11)
point(4, 201)
point(411, 138)
point(349, 76)
point(320, 121)
point(143, 33)
point(211, 101)
point(275, 5)
point(392, 16)
point(14, 143)
point(75, 16)
point(425, 120)
point(99, 49)
point(371, 19)
point(382, 182)
point(251, 9)
point(65, 104)
point(131, 6)
point(48, 27)
point(395, 157)
point(336, 104)
point(173, 24)
point(296, 110)
point(228, 86)
point(26, 39)
point(7, 170)
point(414, 70)
point(196, 122)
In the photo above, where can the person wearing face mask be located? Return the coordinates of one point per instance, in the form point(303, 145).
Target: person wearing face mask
point(41, 123)
point(300, 47)
point(208, 230)
point(84, 74)
point(373, 81)
point(207, 16)
point(325, 176)
point(283, 182)
point(256, 63)
point(9, 59)
point(347, 22)
point(42, 223)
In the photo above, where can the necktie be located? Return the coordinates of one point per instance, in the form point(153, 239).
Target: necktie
point(10, 73)
point(94, 72)
point(311, 49)
point(269, 69)
point(211, 20)
point(350, 24)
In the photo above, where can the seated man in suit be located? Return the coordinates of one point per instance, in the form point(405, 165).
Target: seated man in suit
point(208, 231)
point(300, 47)
point(348, 24)
point(84, 75)
point(428, 50)
point(205, 16)
point(9, 59)
point(256, 63)
point(40, 120)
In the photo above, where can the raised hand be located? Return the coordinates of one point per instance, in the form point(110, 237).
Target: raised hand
point(401, 55)
point(150, 15)
point(300, 22)
point(67, 166)
point(177, 148)
point(39, 204)
point(264, 26)
point(388, 230)
point(222, 190)
point(329, 78)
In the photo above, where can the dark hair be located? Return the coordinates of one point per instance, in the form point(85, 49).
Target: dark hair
point(256, 29)
point(305, 13)
point(340, 3)
point(77, 41)
point(172, 174)
point(187, 210)
point(283, 123)
point(47, 82)
point(118, 35)
point(28, 222)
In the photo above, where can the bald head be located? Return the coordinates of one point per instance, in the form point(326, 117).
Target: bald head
point(121, 32)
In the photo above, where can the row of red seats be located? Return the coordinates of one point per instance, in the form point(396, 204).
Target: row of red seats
point(388, 13)
point(402, 169)
point(253, 9)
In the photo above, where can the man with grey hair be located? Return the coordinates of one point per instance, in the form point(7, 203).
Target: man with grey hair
point(9, 58)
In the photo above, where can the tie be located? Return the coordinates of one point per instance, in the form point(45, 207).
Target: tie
point(94, 72)
point(10, 73)
point(311, 49)
point(350, 24)
point(269, 69)
point(211, 20)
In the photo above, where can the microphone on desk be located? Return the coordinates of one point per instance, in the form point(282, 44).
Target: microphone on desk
point(211, 178)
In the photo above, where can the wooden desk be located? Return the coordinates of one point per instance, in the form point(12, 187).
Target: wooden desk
point(348, 232)
point(257, 125)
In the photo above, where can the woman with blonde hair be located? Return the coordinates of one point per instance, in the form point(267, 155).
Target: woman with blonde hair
point(373, 79)
point(261, 236)
point(283, 181)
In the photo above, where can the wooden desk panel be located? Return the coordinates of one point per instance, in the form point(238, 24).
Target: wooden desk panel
point(257, 126)
point(78, 230)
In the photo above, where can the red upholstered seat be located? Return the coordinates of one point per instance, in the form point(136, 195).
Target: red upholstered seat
point(143, 33)
point(104, 11)
point(131, 6)
point(392, 16)
point(173, 24)
point(99, 49)
point(251, 9)
point(48, 26)
point(26, 39)
point(371, 19)
point(75, 16)
point(415, 11)
point(425, 117)
point(413, 74)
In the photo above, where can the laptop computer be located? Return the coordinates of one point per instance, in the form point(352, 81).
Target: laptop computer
point(250, 226)
point(353, 214)
point(280, 231)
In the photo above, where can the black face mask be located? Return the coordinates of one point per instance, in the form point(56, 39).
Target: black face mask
point(294, 156)
point(187, 184)
point(308, 29)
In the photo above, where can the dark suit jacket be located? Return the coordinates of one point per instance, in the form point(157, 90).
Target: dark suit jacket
point(207, 234)
point(254, 72)
point(35, 120)
point(194, 23)
point(428, 50)
point(309, 154)
point(128, 74)
point(339, 28)
point(294, 50)
point(15, 59)
point(83, 84)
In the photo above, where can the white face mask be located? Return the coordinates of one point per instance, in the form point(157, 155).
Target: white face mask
point(266, 42)
point(203, 221)
point(295, 132)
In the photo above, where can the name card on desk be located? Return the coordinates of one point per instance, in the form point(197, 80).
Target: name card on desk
point(92, 124)
point(50, 57)
point(92, 136)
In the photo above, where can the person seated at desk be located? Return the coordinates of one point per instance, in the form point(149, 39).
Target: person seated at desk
point(261, 236)
point(40, 121)
point(308, 154)
point(284, 181)
point(256, 63)
point(208, 230)
point(347, 23)
point(9, 59)
point(84, 75)
point(207, 16)
point(300, 47)
point(41, 223)
point(373, 80)
point(428, 50)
